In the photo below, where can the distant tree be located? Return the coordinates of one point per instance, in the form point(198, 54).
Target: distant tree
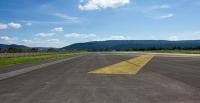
point(20, 50)
point(12, 50)
point(51, 50)
point(198, 47)
point(34, 49)
point(159, 48)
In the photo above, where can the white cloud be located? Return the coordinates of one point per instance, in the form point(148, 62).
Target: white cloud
point(101, 4)
point(156, 12)
point(154, 8)
point(117, 37)
point(166, 16)
point(45, 34)
point(163, 6)
point(112, 37)
point(26, 41)
point(52, 43)
point(6, 38)
point(58, 29)
point(41, 42)
point(56, 22)
point(53, 40)
point(11, 25)
point(173, 38)
point(3, 26)
point(93, 37)
point(78, 35)
point(181, 36)
point(67, 18)
point(14, 25)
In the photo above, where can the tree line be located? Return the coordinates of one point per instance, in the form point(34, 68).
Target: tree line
point(20, 50)
point(146, 49)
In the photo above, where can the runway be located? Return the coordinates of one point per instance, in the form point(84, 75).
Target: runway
point(161, 79)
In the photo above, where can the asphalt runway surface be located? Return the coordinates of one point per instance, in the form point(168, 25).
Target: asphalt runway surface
point(164, 79)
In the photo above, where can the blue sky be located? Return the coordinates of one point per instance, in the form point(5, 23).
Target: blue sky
point(57, 23)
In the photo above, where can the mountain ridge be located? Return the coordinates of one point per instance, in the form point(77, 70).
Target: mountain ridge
point(120, 45)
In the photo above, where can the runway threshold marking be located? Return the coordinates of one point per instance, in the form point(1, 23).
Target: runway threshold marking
point(131, 66)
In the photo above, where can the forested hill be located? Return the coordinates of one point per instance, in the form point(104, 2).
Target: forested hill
point(121, 45)
point(23, 48)
point(116, 45)
point(5, 46)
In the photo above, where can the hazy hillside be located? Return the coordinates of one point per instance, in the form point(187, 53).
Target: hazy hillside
point(4, 46)
point(134, 45)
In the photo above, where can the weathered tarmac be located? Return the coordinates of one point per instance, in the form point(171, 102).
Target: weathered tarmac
point(164, 79)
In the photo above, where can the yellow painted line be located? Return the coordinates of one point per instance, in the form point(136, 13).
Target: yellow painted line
point(131, 66)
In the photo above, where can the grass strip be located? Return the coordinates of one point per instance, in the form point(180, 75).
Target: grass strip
point(178, 51)
point(17, 60)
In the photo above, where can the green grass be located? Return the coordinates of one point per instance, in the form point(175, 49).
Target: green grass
point(17, 60)
point(178, 51)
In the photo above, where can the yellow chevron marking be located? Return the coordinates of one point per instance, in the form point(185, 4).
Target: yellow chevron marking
point(131, 66)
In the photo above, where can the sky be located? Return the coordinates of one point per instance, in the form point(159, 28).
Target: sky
point(58, 23)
